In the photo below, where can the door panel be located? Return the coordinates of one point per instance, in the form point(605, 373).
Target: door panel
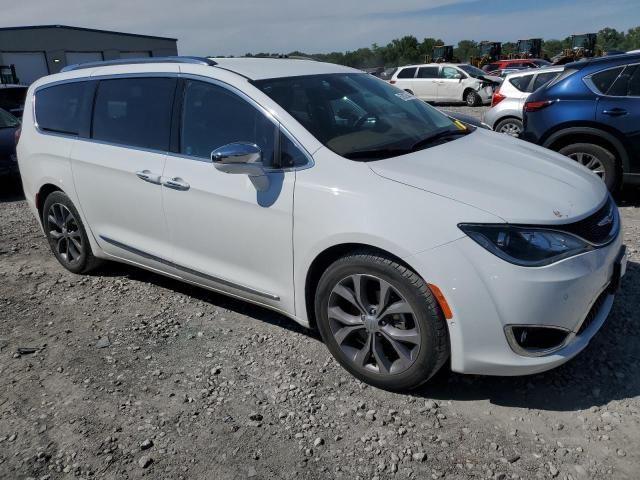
point(450, 89)
point(227, 234)
point(118, 170)
point(425, 85)
point(622, 112)
point(122, 209)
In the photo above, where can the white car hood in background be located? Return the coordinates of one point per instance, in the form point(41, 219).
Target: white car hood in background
point(515, 180)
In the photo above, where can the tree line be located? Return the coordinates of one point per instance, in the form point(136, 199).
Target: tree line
point(408, 49)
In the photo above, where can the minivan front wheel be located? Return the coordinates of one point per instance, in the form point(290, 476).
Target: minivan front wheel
point(66, 234)
point(381, 322)
point(599, 160)
point(472, 99)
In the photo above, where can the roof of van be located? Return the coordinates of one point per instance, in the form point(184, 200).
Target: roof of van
point(263, 68)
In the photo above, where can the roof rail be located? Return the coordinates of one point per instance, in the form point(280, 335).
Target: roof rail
point(134, 61)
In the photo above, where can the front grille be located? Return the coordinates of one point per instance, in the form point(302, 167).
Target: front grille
point(598, 228)
point(593, 313)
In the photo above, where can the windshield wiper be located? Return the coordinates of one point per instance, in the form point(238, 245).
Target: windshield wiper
point(425, 142)
point(376, 154)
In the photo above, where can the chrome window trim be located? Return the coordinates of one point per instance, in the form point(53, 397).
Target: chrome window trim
point(114, 76)
point(589, 82)
point(310, 161)
point(214, 81)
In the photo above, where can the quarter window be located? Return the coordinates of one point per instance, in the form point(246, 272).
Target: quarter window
point(290, 154)
point(58, 108)
point(213, 117)
point(521, 83)
point(543, 79)
point(134, 112)
point(428, 72)
point(407, 73)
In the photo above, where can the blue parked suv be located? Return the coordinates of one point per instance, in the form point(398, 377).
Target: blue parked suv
point(591, 113)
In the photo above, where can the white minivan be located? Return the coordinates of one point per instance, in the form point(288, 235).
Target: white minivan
point(405, 237)
point(446, 82)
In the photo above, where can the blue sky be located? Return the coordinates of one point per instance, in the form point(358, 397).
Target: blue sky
point(235, 27)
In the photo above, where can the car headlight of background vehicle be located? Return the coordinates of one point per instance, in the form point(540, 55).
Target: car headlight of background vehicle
point(526, 246)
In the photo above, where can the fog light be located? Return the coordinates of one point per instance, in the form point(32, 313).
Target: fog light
point(536, 340)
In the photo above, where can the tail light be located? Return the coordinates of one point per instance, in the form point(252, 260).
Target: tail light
point(392, 82)
point(17, 135)
point(535, 106)
point(497, 97)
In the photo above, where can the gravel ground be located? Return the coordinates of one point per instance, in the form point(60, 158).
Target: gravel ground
point(126, 374)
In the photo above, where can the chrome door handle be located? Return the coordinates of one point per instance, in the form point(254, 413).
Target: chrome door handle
point(177, 184)
point(147, 176)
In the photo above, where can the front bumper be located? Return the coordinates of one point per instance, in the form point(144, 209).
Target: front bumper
point(486, 294)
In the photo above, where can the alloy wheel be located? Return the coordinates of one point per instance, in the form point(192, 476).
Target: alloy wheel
point(65, 233)
point(373, 324)
point(592, 162)
point(510, 129)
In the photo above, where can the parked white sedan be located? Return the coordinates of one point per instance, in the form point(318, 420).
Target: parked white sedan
point(446, 82)
point(404, 236)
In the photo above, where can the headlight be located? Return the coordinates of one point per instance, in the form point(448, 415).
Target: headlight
point(526, 246)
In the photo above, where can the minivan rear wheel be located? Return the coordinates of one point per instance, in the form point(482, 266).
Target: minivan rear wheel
point(380, 321)
point(597, 159)
point(66, 234)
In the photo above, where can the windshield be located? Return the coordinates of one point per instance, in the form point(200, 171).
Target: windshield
point(359, 116)
point(7, 120)
point(475, 72)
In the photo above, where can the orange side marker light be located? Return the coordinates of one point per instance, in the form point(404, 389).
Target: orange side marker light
point(441, 301)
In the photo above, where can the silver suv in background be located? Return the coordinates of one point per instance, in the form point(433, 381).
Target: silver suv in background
point(505, 114)
point(446, 82)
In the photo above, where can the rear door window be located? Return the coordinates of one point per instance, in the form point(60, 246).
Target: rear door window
point(603, 81)
point(627, 84)
point(60, 108)
point(428, 72)
point(134, 112)
point(407, 73)
point(522, 82)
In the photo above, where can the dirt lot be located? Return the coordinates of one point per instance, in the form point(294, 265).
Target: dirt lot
point(125, 374)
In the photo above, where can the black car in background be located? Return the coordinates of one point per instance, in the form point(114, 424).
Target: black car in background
point(8, 160)
point(12, 98)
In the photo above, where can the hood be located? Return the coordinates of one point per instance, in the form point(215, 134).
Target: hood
point(512, 179)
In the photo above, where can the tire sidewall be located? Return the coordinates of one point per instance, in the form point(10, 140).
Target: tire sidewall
point(508, 121)
point(607, 159)
point(63, 199)
point(426, 363)
point(472, 99)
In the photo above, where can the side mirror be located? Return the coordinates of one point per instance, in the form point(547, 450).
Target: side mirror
point(242, 158)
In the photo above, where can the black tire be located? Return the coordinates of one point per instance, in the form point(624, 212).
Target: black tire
point(583, 152)
point(433, 349)
point(71, 234)
point(472, 99)
point(509, 126)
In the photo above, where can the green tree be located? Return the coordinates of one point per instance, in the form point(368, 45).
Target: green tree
point(632, 39)
point(610, 39)
point(466, 49)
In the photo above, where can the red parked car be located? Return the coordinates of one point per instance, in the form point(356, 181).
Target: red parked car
point(516, 63)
